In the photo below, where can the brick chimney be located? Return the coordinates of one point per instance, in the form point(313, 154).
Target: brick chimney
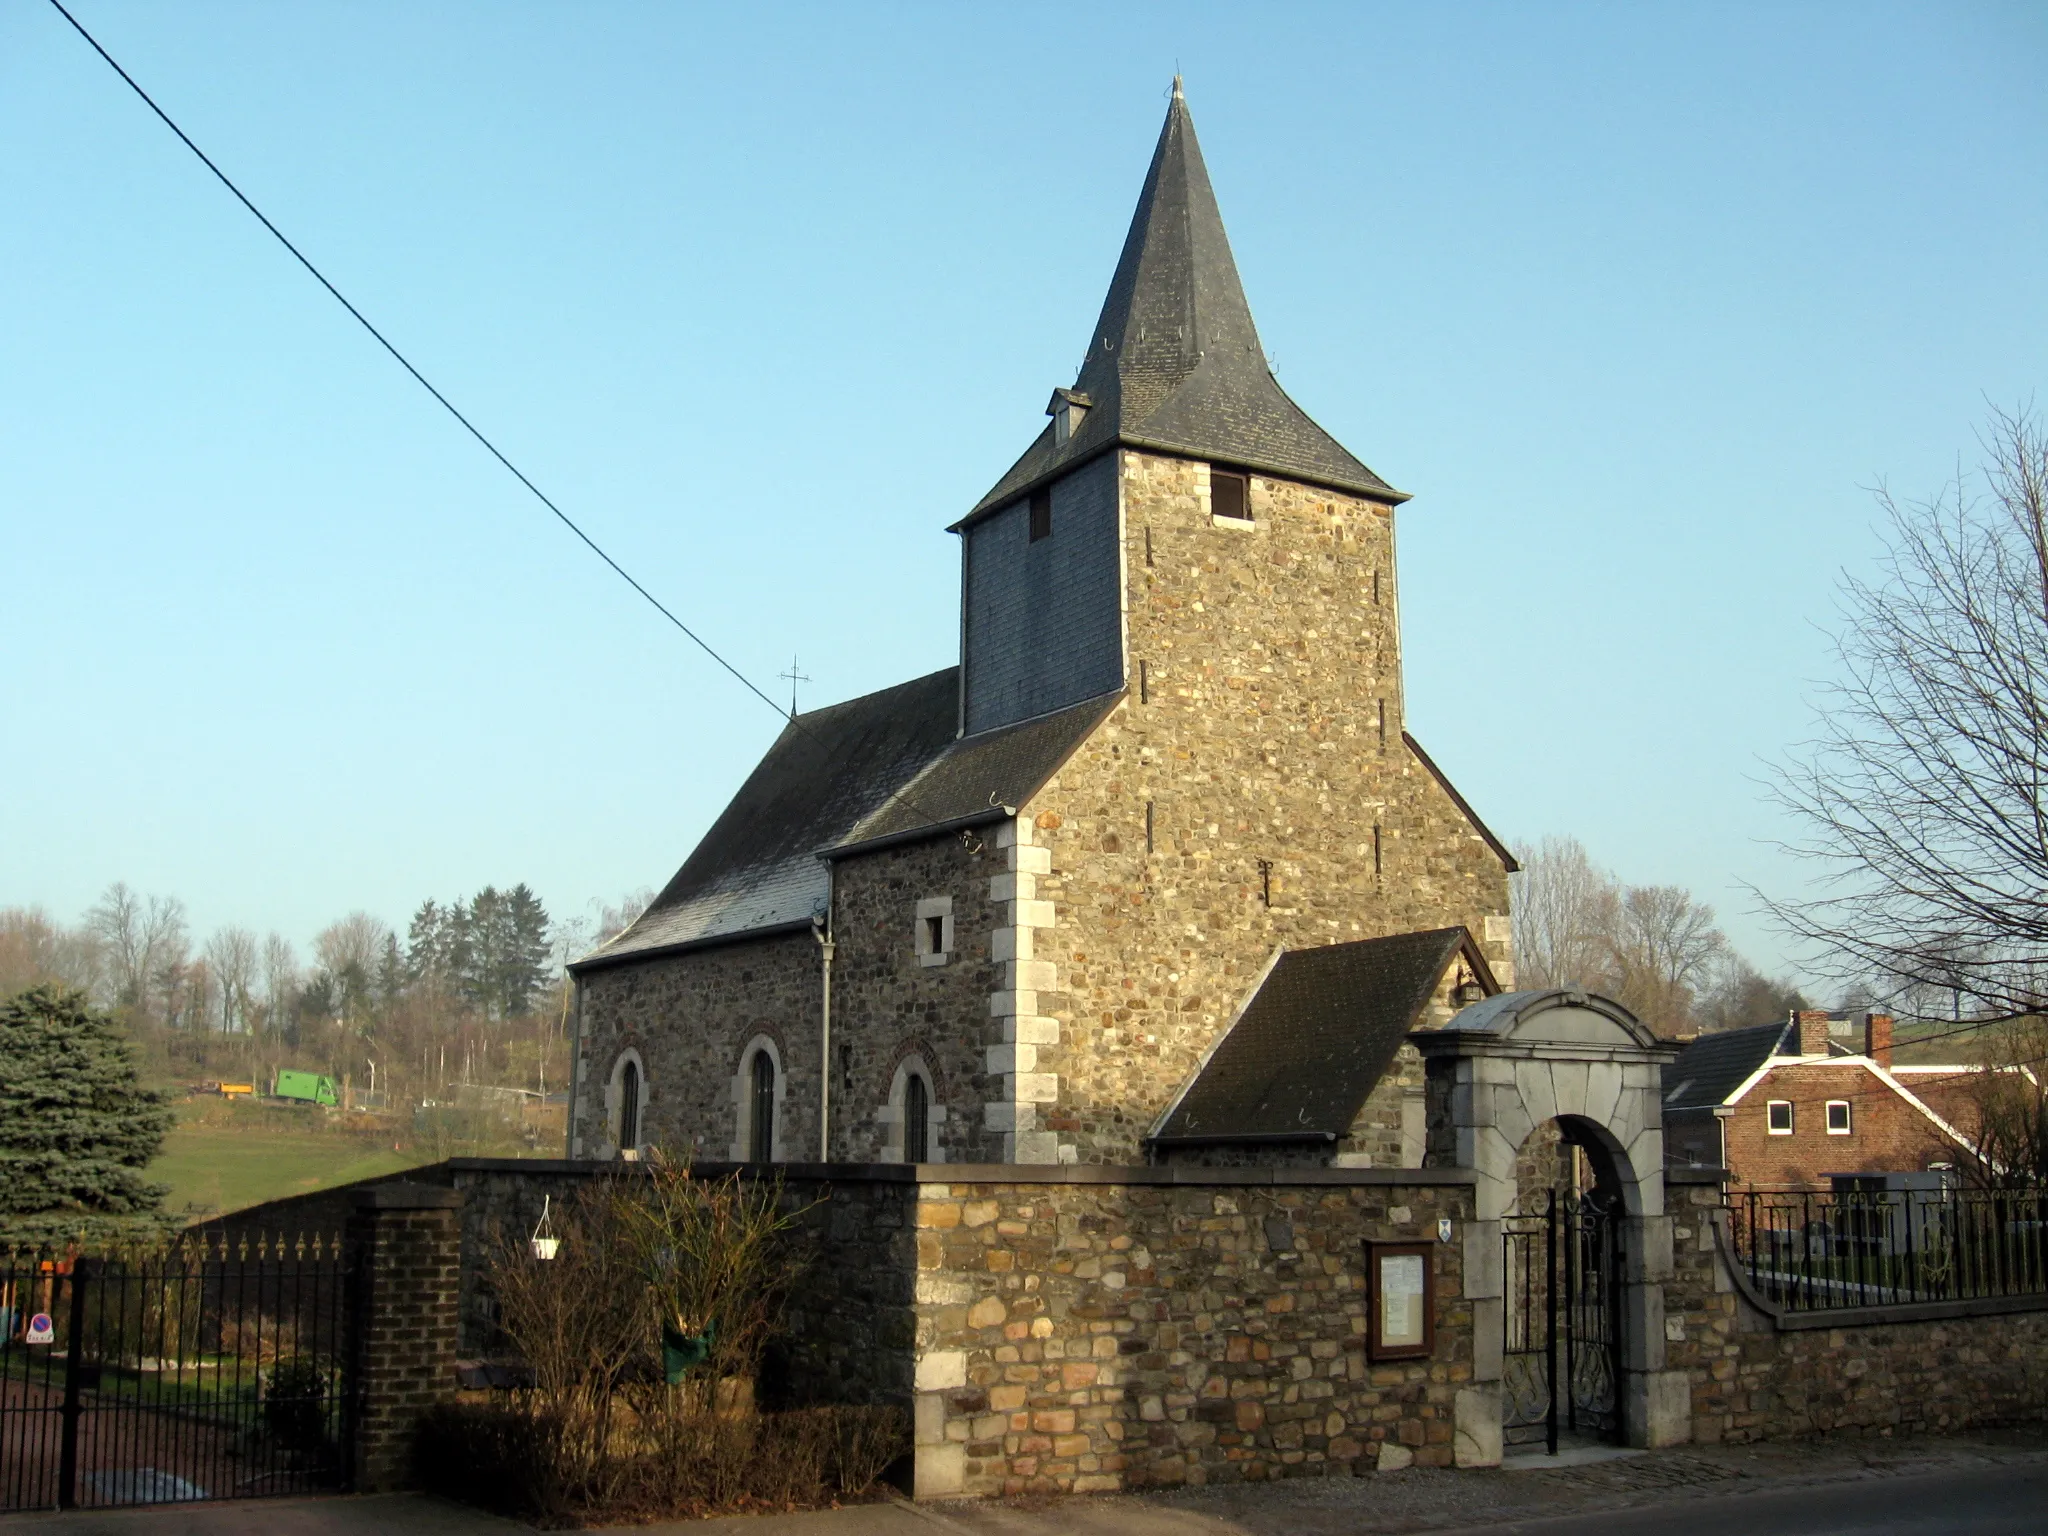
point(1877, 1038)
point(1813, 1031)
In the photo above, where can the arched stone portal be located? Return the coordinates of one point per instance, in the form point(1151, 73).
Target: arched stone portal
point(1496, 1072)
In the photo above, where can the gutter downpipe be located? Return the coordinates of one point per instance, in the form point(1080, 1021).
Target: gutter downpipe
point(821, 930)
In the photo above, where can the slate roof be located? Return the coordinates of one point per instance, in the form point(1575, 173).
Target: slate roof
point(1314, 1040)
point(1175, 362)
point(886, 765)
point(1714, 1066)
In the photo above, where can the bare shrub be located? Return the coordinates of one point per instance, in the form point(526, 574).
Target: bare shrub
point(603, 1433)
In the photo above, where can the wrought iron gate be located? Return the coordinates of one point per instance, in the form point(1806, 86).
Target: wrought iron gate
point(212, 1371)
point(1561, 1318)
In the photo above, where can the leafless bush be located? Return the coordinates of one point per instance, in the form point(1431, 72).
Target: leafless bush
point(606, 1431)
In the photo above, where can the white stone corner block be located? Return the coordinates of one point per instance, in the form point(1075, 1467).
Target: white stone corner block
point(1003, 1004)
point(1037, 861)
point(1034, 1147)
point(1031, 914)
point(1006, 1059)
point(1031, 1029)
point(940, 1471)
point(1008, 1117)
point(1009, 944)
point(1033, 1087)
point(1015, 886)
point(941, 1369)
point(1031, 975)
point(1476, 1434)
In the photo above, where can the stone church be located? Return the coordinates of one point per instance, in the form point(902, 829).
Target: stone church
point(1156, 872)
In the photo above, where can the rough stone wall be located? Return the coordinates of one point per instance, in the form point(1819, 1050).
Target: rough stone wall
point(1262, 722)
point(887, 1004)
point(1754, 1380)
point(1146, 1329)
point(1887, 1134)
point(690, 1016)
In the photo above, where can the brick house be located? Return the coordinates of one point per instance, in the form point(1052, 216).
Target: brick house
point(1799, 1103)
point(1005, 912)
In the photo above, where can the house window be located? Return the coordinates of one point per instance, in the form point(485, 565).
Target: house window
point(917, 1120)
point(1838, 1117)
point(1778, 1117)
point(1041, 513)
point(761, 1122)
point(934, 931)
point(629, 1105)
point(1229, 496)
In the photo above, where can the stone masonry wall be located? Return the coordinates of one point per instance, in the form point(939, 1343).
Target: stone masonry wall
point(1262, 722)
point(689, 1016)
point(1754, 1379)
point(1124, 1328)
point(888, 1004)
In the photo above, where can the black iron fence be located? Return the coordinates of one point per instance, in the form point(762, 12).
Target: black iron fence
point(211, 1370)
point(1815, 1250)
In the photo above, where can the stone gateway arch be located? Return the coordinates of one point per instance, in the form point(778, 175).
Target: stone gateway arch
point(1499, 1071)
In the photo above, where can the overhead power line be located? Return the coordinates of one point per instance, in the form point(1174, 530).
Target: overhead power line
point(447, 405)
point(404, 362)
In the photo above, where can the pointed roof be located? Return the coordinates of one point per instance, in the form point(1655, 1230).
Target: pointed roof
point(1175, 362)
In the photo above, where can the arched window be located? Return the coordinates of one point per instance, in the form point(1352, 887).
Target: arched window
point(917, 1120)
point(761, 1124)
point(629, 1105)
point(913, 1114)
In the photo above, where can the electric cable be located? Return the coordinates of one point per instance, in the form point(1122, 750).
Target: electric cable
point(467, 425)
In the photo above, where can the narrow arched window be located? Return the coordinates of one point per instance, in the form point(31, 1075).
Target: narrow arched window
point(629, 1106)
point(761, 1148)
point(917, 1121)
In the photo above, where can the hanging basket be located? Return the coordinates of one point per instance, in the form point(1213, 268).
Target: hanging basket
point(544, 1244)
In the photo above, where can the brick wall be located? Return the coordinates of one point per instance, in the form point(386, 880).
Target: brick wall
point(405, 1250)
point(1887, 1134)
point(1752, 1378)
point(1121, 1328)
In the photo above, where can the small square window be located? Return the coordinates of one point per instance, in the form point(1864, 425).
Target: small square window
point(1778, 1117)
point(1041, 513)
point(1838, 1117)
point(932, 938)
point(1229, 496)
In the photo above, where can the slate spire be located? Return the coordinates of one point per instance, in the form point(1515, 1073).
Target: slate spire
point(1174, 362)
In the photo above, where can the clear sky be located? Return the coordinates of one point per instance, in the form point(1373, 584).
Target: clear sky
point(1635, 299)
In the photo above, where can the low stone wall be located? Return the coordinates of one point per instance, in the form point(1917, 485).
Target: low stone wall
point(1088, 1329)
point(1757, 1374)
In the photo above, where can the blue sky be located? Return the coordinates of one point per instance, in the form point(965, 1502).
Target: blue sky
point(1635, 299)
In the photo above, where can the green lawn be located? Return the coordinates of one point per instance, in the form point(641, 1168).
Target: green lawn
point(214, 1168)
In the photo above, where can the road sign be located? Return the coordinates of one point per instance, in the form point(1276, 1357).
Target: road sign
point(40, 1330)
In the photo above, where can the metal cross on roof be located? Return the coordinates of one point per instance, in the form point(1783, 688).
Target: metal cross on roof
point(793, 677)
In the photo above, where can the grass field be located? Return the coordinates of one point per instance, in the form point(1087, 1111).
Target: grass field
point(223, 1157)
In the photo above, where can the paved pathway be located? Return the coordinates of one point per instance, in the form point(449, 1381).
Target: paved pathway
point(1991, 1485)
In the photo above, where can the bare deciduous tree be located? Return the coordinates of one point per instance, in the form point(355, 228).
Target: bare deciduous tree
point(1921, 797)
point(1652, 947)
point(231, 956)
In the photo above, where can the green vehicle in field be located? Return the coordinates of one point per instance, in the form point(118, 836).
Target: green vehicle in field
point(304, 1087)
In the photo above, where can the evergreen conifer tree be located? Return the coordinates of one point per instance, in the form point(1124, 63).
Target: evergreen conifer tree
point(77, 1128)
